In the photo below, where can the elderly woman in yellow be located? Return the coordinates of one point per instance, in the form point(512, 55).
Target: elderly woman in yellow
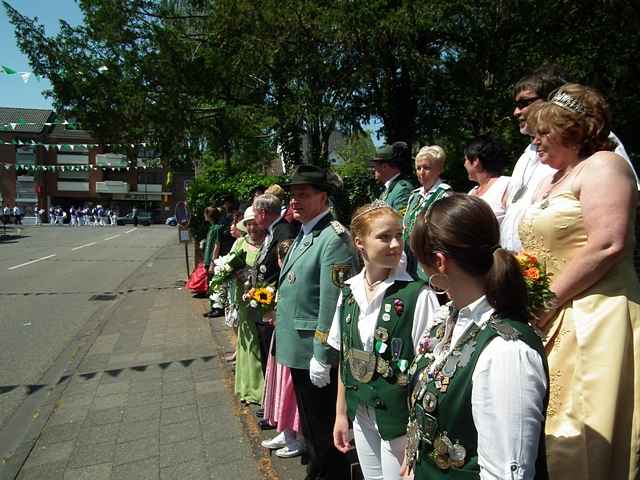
point(581, 227)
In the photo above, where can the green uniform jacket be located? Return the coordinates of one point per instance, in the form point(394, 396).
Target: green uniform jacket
point(397, 195)
point(310, 280)
point(386, 395)
point(452, 413)
point(212, 239)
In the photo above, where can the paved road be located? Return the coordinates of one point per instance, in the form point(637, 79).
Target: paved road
point(48, 277)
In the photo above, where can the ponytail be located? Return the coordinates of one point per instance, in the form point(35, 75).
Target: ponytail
point(505, 286)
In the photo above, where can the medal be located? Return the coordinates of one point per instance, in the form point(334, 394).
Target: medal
point(386, 317)
point(396, 348)
point(381, 334)
point(402, 364)
point(442, 462)
point(291, 276)
point(263, 268)
point(457, 455)
point(383, 368)
point(380, 347)
point(429, 402)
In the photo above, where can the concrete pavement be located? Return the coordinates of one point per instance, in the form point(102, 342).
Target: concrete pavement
point(139, 392)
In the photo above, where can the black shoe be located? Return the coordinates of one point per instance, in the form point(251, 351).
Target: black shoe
point(199, 295)
point(216, 312)
point(260, 413)
point(265, 425)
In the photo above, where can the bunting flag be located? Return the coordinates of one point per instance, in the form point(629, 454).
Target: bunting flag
point(77, 168)
point(4, 70)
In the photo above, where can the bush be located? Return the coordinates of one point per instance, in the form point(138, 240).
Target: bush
point(211, 185)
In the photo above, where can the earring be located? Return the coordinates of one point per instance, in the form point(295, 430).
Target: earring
point(431, 286)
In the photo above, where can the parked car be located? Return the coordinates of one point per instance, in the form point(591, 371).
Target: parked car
point(172, 221)
point(144, 218)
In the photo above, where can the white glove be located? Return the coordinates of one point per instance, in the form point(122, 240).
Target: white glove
point(319, 373)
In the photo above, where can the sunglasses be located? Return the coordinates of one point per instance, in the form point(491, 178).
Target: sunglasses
point(525, 102)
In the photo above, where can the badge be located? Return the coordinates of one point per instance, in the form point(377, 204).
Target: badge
point(398, 306)
point(428, 424)
point(442, 444)
point(348, 319)
point(467, 351)
point(387, 307)
point(291, 276)
point(429, 402)
point(413, 368)
point(263, 268)
point(381, 334)
point(386, 317)
point(402, 379)
point(340, 273)
point(450, 366)
point(362, 365)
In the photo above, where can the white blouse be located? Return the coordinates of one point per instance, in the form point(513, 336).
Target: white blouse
point(426, 306)
point(493, 196)
point(507, 396)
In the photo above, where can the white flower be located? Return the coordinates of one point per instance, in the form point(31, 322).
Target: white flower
point(253, 304)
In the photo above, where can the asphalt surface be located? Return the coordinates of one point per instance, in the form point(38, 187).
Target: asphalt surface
point(49, 276)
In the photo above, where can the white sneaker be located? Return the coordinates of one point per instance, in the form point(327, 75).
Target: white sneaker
point(275, 443)
point(294, 449)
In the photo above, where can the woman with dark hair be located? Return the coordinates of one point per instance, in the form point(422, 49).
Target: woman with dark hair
point(484, 160)
point(478, 389)
point(581, 227)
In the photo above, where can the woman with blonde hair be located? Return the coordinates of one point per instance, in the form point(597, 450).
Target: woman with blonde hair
point(429, 166)
point(380, 317)
point(581, 227)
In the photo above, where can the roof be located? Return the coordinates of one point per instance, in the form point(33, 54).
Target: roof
point(60, 133)
point(23, 120)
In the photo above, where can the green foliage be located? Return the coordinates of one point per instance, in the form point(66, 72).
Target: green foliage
point(212, 184)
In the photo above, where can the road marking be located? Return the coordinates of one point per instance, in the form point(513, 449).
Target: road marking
point(132, 230)
point(82, 246)
point(111, 238)
point(32, 261)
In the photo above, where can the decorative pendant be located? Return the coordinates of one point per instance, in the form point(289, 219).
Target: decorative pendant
point(381, 334)
point(429, 402)
point(457, 455)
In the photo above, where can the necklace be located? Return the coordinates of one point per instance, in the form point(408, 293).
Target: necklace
point(373, 285)
point(522, 189)
point(553, 185)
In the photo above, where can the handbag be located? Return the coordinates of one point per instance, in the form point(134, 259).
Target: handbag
point(197, 282)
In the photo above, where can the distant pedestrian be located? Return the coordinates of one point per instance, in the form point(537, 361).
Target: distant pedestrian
point(134, 214)
point(17, 214)
point(6, 215)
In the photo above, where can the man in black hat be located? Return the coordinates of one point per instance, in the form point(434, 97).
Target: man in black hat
point(319, 261)
point(389, 166)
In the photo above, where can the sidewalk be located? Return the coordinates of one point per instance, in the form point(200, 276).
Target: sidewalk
point(152, 397)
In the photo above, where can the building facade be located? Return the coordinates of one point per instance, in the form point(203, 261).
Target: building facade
point(43, 165)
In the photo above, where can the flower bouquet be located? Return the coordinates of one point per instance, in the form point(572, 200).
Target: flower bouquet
point(224, 269)
point(538, 282)
point(263, 298)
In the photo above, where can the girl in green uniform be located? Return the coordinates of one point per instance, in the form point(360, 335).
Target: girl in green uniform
point(478, 388)
point(380, 317)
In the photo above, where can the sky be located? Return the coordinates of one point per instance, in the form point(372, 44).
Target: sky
point(13, 91)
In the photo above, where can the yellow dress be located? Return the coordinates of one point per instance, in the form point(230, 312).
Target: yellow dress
point(593, 349)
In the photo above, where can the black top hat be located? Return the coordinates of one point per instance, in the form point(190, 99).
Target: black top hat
point(319, 178)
